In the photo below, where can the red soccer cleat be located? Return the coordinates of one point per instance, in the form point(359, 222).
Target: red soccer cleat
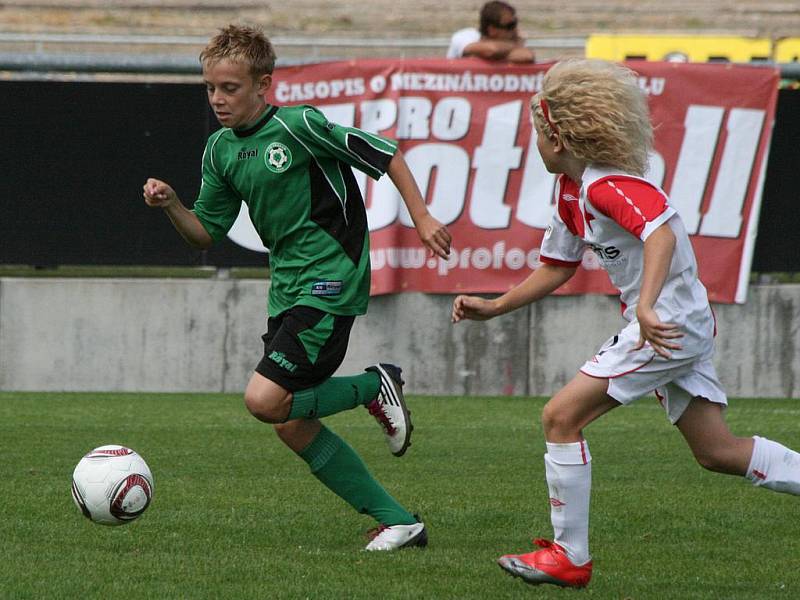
point(548, 565)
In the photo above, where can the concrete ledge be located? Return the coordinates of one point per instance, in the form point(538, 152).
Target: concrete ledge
point(204, 336)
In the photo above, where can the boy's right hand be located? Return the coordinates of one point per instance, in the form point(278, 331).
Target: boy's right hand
point(472, 307)
point(158, 194)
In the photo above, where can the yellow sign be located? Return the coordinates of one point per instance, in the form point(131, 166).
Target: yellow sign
point(787, 50)
point(684, 48)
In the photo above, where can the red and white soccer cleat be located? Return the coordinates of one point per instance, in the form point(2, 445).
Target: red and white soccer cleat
point(548, 565)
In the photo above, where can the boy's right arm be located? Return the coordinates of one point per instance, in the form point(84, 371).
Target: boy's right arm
point(159, 194)
point(433, 234)
point(540, 283)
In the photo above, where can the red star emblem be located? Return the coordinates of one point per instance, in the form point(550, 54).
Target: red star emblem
point(589, 218)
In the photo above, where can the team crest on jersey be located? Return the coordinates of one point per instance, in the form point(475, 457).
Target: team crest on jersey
point(277, 157)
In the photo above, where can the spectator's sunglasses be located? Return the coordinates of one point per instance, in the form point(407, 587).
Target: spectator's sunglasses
point(507, 26)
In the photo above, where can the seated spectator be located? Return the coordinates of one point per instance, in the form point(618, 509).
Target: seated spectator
point(498, 37)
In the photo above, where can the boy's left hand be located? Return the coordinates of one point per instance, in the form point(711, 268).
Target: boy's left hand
point(434, 235)
point(659, 335)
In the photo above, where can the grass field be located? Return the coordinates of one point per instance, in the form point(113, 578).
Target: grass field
point(236, 515)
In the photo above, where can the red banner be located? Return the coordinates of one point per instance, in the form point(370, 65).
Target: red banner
point(464, 127)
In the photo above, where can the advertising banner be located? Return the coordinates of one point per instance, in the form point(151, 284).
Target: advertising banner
point(464, 127)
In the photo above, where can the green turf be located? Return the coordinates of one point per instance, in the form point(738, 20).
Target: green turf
point(236, 515)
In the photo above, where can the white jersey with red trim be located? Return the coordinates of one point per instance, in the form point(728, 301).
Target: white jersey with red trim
point(614, 213)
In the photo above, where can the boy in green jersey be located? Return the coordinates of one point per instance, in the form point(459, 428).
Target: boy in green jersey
point(292, 167)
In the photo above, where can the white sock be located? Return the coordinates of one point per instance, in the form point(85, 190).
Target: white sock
point(774, 466)
point(569, 478)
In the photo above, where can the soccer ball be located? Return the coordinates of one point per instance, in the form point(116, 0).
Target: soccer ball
point(112, 485)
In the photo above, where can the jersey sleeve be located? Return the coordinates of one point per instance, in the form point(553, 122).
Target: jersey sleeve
point(460, 40)
point(636, 205)
point(364, 151)
point(217, 206)
point(560, 246)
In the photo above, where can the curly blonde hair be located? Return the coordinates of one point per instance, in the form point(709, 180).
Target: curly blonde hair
point(599, 112)
point(244, 44)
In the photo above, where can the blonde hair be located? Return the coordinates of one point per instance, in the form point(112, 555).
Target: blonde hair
point(599, 112)
point(244, 44)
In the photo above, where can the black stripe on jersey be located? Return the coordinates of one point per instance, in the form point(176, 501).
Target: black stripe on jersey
point(368, 153)
point(261, 122)
point(346, 224)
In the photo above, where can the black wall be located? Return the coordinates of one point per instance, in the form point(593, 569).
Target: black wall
point(779, 224)
point(74, 159)
point(75, 156)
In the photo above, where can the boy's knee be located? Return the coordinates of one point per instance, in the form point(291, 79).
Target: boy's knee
point(266, 408)
point(556, 421)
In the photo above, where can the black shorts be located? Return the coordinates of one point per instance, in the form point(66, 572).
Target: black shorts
point(303, 347)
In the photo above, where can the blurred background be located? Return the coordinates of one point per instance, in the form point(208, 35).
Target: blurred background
point(100, 94)
point(309, 29)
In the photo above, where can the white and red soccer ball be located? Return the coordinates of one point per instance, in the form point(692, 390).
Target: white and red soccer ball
point(112, 485)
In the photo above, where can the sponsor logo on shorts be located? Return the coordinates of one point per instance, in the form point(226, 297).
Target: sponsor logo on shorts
point(609, 255)
point(277, 157)
point(326, 288)
point(279, 358)
point(556, 503)
point(606, 254)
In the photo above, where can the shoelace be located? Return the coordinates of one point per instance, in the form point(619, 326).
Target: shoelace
point(578, 580)
point(376, 531)
point(549, 545)
point(376, 410)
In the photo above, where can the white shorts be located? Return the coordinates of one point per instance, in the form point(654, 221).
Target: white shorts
point(633, 374)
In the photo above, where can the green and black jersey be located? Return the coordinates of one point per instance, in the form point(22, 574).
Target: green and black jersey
point(292, 169)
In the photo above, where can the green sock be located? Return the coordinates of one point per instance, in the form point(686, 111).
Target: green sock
point(335, 395)
point(340, 469)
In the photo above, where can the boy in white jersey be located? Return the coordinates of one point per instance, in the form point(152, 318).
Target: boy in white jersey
point(593, 128)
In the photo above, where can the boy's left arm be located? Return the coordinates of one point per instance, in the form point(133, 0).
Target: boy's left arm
point(375, 155)
point(432, 233)
point(658, 249)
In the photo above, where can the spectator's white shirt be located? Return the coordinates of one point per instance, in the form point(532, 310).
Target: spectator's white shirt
point(460, 40)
